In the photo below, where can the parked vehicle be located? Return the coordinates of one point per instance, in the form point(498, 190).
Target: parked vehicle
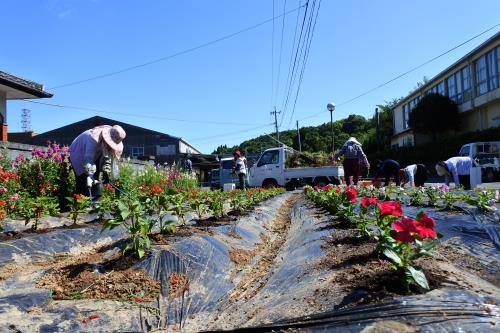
point(487, 155)
point(270, 170)
point(226, 175)
point(214, 179)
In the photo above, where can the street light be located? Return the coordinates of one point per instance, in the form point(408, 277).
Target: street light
point(330, 107)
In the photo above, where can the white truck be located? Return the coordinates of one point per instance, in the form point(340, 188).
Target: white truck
point(487, 155)
point(270, 170)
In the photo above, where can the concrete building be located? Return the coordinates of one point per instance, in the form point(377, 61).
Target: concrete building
point(13, 87)
point(473, 82)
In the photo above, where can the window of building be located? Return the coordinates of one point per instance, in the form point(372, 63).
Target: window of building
point(440, 88)
point(481, 76)
point(492, 70)
point(452, 92)
point(466, 85)
point(406, 115)
point(137, 151)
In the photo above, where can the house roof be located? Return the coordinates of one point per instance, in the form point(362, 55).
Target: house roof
point(16, 87)
point(434, 80)
point(98, 120)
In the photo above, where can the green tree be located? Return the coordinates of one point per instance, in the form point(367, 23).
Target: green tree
point(434, 113)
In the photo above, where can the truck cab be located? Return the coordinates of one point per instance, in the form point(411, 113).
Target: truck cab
point(487, 155)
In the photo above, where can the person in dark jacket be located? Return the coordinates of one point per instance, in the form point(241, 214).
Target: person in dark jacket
point(388, 169)
point(353, 158)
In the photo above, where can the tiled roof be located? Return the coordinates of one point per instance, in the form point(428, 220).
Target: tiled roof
point(24, 85)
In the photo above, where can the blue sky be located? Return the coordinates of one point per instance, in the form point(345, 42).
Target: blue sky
point(356, 46)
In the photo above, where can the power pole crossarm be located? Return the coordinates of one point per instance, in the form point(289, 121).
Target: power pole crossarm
point(276, 113)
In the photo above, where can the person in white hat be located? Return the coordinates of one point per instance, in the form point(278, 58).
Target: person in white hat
point(93, 156)
point(354, 156)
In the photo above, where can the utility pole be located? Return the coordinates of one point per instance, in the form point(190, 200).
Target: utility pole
point(378, 131)
point(26, 120)
point(275, 113)
point(298, 134)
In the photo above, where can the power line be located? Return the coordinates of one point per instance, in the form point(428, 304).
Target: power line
point(407, 72)
point(272, 61)
point(292, 74)
point(194, 48)
point(306, 56)
point(229, 133)
point(138, 116)
point(281, 51)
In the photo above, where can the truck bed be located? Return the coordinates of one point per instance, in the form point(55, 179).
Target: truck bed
point(327, 171)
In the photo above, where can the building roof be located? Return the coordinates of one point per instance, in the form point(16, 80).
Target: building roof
point(18, 88)
point(82, 125)
point(434, 79)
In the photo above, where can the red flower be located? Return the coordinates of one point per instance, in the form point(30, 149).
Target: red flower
point(366, 202)
point(326, 187)
point(306, 189)
point(351, 194)
point(405, 228)
point(338, 190)
point(77, 196)
point(315, 188)
point(390, 208)
point(94, 316)
point(425, 226)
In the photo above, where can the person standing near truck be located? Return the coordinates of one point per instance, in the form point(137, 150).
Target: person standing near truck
point(414, 175)
point(354, 156)
point(458, 168)
point(94, 155)
point(240, 168)
point(388, 169)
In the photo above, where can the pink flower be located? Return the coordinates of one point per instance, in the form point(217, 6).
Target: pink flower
point(65, 149)
point(3, 189)
point(315, 188)
point(58, 157)
point(55, 147)
point(405, 228)
point(326, 187)
point(20, 158)
point(14, 197)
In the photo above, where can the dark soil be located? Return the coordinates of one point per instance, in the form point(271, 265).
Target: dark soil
point(240, 256)
point(178, 284)
point(91, 276)
point(368, 277)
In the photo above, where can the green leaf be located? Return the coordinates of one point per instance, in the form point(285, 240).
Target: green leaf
point(140, 252)
point(419, 215)
point(418, 276)
point(393, 256)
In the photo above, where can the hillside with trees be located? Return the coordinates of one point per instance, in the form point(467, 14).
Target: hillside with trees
point(319, 138)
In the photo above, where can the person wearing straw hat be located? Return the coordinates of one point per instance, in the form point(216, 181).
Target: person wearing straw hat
point(354, 157)
point(94, 155)
point(458, 168)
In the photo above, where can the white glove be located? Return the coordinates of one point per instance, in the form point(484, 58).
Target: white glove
point(90, 181)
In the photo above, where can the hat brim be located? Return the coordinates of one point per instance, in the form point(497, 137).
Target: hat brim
point(116, 147)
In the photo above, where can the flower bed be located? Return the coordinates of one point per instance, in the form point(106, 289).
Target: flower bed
point(399, 239)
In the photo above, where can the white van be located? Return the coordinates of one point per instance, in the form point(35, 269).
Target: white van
point(487, 155)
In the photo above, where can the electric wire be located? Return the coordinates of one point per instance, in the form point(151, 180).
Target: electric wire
point(292, 74)
point(185, 51)
point(281, 51)
point(272, 61)
point(139, 115)
point(229, 133)
point(304, 63)
point(407, 72)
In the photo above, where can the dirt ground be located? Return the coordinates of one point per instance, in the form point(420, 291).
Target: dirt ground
point(93, 276)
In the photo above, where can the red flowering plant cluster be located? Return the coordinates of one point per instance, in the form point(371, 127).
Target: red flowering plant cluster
point(401, 239)
point(413, 238)
point(78, 204)
point(9, 193)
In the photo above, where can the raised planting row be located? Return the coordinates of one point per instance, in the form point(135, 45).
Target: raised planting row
point(400, 239)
